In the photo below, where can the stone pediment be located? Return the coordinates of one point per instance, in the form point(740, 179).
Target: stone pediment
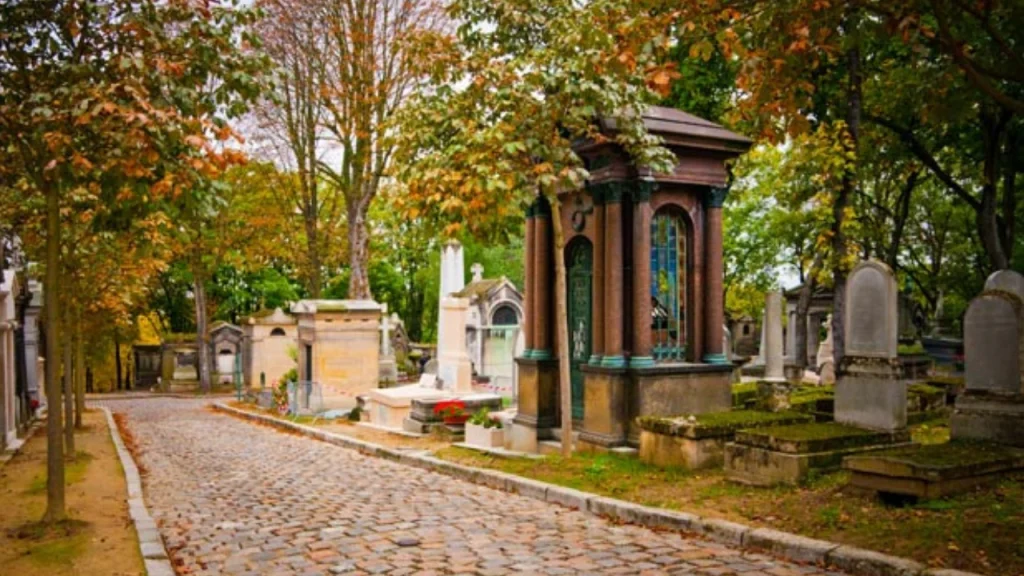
point(275, 317)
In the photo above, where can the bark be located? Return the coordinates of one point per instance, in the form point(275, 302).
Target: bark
point(803, 305)
point(89, 388)
point(358, 251)
point(1010, 169)
point(900, 220)
point(117, 360)
point(562, 323)
point(79, 375)
point(853, 113)
point(203, 353)
point(987, 217)
point(69, 394)
point(55, 508)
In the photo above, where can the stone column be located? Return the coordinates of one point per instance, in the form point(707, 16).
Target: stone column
point(714, 313)
point(614, 302)
point(642, 338)
point(528, 288)
point(598, 309)
point(773, 364)
point(542, 281)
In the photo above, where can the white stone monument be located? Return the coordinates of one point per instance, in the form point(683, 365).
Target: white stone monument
point(452, 279)
point(454, 367)
point(826, 363)
point(388, 365)
point(774, 370)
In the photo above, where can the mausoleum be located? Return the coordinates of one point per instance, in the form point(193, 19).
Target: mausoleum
point(339, 347)
point(493, 329)
point(269, 347)
point(225, 347)
point(645, 304)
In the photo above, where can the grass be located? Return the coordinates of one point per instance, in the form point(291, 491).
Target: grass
point(720, 421)
point(978, 531)
point(74, 472)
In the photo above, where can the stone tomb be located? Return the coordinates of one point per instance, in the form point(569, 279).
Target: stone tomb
point(269, 347)
point(390, 407)
point(225, 347)
point(870, 396)
point(643, 253)
point(423, 418)
point(339, 346)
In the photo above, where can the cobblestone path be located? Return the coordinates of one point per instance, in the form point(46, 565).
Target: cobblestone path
point(231, 497)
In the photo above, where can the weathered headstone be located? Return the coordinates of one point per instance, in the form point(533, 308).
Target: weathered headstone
point(774, 370)
point(871, 391)
point(992, 343)
point(871, 311)
point(1006, 281)
point(992, 406)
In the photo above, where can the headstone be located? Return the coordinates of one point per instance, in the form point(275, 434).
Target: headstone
point(478, 271)
point(991, 407)
point(992, 352)
point(774, 370)
point(388, 367)
point(428, 381)
point(871, 314)
point(430, 367)
point(1006, 281)
point(871, 391)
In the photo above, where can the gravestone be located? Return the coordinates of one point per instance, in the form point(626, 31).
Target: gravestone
point(388, 367)
point(992, 405)
point(871, 391)
point(1006, 281)
point(454, 368)
point(871, 311)
point(774, 370)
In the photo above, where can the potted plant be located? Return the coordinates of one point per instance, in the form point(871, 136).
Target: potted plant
point(485, 431)
point(452, 412)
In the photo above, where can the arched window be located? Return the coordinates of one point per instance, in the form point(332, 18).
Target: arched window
point(669, 281)
point(746, 329)
point(277, 332)
point(226, 352)
point(504, 315)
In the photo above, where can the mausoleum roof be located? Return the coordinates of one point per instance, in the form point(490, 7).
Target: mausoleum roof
point(315, 306)
point(680, 127)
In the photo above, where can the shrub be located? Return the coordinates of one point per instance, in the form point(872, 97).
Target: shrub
point(482, 417)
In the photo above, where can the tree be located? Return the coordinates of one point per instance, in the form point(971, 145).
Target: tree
point(116, 98)
point(511, 90)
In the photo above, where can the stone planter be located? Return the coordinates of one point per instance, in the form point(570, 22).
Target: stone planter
point(477, 435)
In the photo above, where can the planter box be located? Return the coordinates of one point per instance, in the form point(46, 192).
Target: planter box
point(477, 435)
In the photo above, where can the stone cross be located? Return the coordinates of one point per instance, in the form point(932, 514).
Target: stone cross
point(385, 329)
point(478, 271)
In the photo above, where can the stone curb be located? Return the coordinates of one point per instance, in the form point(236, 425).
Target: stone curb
point(154, 554)
point(792, 547)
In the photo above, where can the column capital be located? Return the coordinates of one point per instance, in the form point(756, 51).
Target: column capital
point(607, 192)
point(715, 196)
point(642, 190)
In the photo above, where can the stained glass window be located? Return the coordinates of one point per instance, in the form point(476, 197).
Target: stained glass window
point(668, 287)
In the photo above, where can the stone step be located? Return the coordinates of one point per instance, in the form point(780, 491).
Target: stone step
point(556, 433)
point(547, 447)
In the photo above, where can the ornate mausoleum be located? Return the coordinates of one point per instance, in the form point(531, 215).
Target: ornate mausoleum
point(643, 255)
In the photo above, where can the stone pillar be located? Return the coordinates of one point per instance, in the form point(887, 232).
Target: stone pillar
point(453, 365)
point(642, 338)
point(714, 302)
point(542, 281)
point(614, 302)
point(597, 308)
point(773, 364)
point(528, 289)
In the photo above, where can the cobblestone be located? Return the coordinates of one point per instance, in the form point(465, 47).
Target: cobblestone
point(233, 497)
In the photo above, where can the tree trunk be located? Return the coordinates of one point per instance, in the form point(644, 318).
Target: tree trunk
point(79, 375)
point(89, 388)
point(203, 354)
point(853, 114)
point(117, 360)
point(69, 392)
point(358, 252)
point(987, 218)
point(55, 509)
point(803, 305)
point(313, 253)
point(900, 221)
point(1010, 169)
point(562, 328)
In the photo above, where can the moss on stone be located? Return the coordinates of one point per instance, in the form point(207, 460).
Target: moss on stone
point(914, 349)
point(955, 453)
point(813, 431)
point(717, 423)
point(743, 393)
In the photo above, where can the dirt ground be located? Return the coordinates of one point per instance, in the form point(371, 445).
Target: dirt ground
point(100, 539)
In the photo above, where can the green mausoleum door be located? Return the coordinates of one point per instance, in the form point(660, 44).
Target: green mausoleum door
point(580, 280)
